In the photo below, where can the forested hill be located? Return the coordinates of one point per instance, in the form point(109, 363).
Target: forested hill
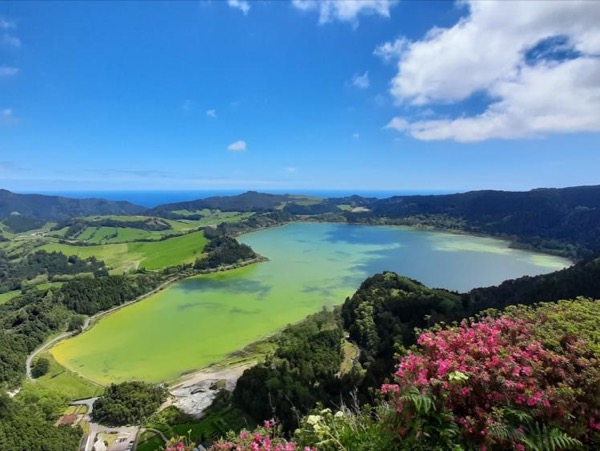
point(544, 218)
point(248, 201)
point(47, 208)
point(387, 308)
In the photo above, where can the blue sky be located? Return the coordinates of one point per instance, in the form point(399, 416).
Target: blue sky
point(346, 95)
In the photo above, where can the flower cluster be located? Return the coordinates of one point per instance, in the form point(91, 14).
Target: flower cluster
point(265, 438)
point(473, 371)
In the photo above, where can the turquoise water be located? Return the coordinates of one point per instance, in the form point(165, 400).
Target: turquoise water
point(201, 320)
point(342, 255)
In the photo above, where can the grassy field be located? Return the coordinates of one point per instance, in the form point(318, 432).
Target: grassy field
point(149, 255)
point(66, 382)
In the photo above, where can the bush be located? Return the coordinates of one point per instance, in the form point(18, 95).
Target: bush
point(40, 367)
point(512, 381)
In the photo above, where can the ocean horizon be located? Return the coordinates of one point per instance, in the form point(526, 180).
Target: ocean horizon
point(153, 198)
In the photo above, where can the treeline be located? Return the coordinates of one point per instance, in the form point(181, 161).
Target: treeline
point(222, 251)
point(565, 220)
point(89, 296)
point(13, 272)
point(130, 402)
point(302, 372)
point(581, 279)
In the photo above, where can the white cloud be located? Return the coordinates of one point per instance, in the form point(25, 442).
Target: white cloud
point(398, 124)
point(238, 146)
point(355, 136)
point(211, 113)
point(485, 52)
point(7, 71)
point(290, 169)
point(345, 10)
point(390, 51)
point(6, 112)
point(242, 5)
point(361, 81)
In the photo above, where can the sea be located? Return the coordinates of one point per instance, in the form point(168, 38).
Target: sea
point(151, 199)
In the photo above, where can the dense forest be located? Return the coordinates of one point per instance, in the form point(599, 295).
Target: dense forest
point(15, 271)
point(302, 372)
point(130, 402)
point(24, 426)
point(89, 296)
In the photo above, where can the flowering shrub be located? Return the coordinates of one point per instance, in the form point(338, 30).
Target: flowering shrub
point(484, 383)
point(347, 429)
point(266, 438)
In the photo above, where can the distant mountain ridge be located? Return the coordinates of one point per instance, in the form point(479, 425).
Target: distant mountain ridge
point(48, 208)
point(248, 201)
point(561, 220)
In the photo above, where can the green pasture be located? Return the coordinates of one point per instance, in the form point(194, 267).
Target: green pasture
point(150, 255)
point(66, 382)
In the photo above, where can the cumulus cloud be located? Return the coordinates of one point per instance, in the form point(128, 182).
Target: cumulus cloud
point(361, 81)
point(345, 10)
point(211, 113)
point(7, 71)
point(539, 63)
point(242, 5)
point(238, 146)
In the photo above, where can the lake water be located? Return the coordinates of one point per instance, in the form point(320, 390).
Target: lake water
point(199, 321)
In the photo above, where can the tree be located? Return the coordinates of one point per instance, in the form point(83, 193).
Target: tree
point(76, 323)
point(40, 367)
